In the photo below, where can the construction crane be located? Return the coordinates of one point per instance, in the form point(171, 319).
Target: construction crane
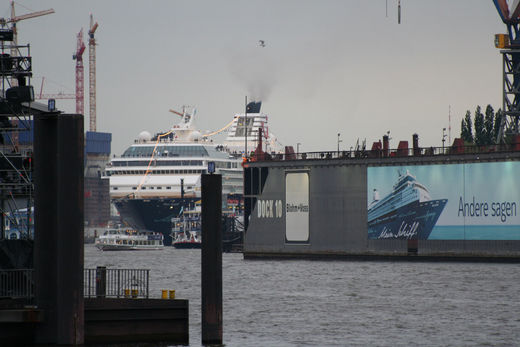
point(15, 19)
point(80, 85)
point(510, 48)
point(59, 95)
point(92, 72)
point(398, 10)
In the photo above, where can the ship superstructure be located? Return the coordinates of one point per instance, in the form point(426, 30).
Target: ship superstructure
point(246, 129)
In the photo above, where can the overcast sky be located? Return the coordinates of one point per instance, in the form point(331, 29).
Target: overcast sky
point(327, 67)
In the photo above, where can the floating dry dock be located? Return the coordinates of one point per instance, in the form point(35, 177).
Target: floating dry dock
point(452, 203)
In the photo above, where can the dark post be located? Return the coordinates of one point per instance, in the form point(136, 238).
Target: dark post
point(2, 220)
point(245, 132)
point(70, 228)
point(386, 146)
point(101, 281)
point(58, 177)
point(416, 149)
point(45, 223)
point(211, 261)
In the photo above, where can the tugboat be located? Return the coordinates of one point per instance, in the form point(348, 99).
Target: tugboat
point(187, 230)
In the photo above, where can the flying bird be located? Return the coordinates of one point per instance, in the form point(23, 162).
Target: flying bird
point(261, 43)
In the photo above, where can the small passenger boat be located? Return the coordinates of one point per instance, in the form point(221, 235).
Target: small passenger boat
point(122, 239)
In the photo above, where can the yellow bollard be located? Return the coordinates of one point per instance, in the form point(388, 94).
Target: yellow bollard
point(164, 294)
point(135, 292)
point(127, 293)
point(172, 294)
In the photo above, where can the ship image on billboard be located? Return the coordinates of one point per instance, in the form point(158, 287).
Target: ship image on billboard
point(407, 211)
point(476, 201)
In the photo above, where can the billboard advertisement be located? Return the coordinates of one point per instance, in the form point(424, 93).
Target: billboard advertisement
point(297, 207)
point(477, 201)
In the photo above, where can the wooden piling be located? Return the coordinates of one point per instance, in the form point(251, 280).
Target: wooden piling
point(211, 301)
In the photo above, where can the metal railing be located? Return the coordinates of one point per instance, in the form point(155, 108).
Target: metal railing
point(98, 282)
point(17, 283)
point(118, 283)
point(381, 153)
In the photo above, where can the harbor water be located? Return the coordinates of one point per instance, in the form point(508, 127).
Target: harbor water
point(340, 303)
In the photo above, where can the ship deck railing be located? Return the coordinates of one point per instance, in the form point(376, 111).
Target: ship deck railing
point(386, 154)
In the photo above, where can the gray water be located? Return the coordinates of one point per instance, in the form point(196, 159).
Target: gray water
point(341, 303)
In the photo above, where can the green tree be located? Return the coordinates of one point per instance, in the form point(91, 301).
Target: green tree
point(486, 126)
point(480, 135)
point(465, 129)
point(489, 119)
point(498, 123)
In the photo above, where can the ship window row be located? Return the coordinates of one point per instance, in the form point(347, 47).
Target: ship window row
point(152, 188)
point(158, 163)
point(166, 151)
point(154, 172)
point(225, 165)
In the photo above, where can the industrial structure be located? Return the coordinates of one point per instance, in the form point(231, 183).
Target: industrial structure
point(407, 203)
point(16, 186)
point(97, 152)
point(14, 20)
point(456, 202)
point(17, 109)
point(510, 48)
point(78, 57)
point(92, 73)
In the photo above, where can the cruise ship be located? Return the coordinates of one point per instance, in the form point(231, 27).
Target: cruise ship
point(158, 177)
point(408, 212)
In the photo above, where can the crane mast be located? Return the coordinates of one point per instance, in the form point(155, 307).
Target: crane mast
point(78, 56)
point(92, 73)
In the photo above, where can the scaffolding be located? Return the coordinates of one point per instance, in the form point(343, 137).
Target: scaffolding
point(16, 119)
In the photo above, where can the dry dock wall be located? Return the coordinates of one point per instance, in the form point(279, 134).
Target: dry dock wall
point(319, 208)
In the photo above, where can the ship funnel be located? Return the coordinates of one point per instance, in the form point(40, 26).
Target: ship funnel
point(253, 107)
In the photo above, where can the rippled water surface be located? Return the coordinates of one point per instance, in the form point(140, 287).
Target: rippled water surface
point(341, 303)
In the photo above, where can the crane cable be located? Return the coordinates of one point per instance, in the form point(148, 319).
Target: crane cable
point(151, 159)
point(220, 130)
